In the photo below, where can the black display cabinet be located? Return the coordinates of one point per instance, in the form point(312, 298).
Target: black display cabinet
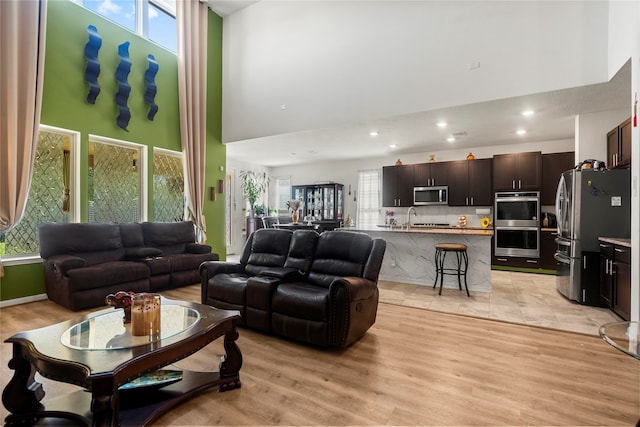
point(322, 202)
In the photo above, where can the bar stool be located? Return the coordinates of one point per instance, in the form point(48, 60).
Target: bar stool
point(461, 256)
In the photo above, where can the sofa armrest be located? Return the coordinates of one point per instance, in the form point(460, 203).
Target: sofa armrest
point(284, 273)
point(208, 269)
point(140, 253)
point(357, 287)
point(60, 264)
point(197, 248)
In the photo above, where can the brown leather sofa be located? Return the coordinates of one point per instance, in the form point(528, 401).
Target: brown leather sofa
point(320, 289)
point(84, 262)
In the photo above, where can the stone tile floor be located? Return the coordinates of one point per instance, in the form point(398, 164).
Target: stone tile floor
point(525, 298)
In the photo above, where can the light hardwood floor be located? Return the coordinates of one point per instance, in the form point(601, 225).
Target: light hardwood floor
point(413, 367)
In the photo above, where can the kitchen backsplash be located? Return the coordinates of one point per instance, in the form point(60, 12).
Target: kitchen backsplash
point(438, 215)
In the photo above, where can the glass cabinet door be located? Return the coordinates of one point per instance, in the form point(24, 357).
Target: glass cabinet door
point(340, 202)
point(328, 203)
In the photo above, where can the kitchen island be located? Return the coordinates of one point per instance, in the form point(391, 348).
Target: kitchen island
point(410, 254)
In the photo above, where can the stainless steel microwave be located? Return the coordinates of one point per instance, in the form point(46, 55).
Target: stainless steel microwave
point(431, 195)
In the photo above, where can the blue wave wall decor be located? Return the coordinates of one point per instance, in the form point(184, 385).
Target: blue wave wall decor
point(93, 65)
point(122, 73)
point(151, 88)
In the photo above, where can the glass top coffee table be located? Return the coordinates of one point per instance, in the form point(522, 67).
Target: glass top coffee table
point(99, 353)
point(624, 336)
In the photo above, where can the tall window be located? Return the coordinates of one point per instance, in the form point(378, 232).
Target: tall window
point(369, 198)
point(153, 19)
point(168, 186)
point(117, 184)
point(52, 196)
point(283, 193)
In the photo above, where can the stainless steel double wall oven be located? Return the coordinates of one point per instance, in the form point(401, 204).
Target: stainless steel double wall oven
point(517, 224)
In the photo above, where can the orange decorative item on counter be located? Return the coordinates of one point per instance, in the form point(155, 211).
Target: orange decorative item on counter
point(398, 162)
point(470, 156)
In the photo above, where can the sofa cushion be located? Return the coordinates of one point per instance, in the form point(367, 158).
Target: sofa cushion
point(302, 300)
point(228, 287)
point(106, 274)
point(101, 239)
point(181, 262)
point(269, 248)
point(132, 235)
point(339, 254)
point(301, 250)
point(171, 237)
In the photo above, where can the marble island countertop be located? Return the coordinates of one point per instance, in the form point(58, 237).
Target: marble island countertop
point(410, 254)
point(452, 229)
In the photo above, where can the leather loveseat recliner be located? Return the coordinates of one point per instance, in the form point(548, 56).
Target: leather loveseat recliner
point(319, 289)
point(85, 262)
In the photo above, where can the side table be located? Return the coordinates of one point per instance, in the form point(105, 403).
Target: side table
point(624, 336)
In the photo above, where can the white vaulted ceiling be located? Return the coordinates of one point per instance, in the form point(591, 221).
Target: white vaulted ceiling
point(315, 77)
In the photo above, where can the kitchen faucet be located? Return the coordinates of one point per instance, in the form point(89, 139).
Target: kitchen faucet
point(409, 216)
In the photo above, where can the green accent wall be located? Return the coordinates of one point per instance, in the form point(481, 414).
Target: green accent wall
point(64, 105)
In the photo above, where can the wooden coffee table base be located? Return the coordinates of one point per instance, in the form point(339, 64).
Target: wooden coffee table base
point(23, 395)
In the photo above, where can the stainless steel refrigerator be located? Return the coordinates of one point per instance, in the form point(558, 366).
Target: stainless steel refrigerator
point(589, 204)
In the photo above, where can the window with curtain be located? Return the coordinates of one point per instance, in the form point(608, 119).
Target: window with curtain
point(168, 186)
point(116, 174)
point(369, 198)
point(52, 196)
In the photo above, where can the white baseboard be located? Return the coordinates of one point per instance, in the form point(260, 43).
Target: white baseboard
point(22, 300)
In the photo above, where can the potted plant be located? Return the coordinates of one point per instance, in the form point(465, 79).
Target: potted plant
point(253, 184)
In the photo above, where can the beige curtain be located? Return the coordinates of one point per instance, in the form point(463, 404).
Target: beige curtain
point(191, 16)
point(22, 42)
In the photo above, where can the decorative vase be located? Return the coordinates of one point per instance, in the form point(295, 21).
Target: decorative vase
point(295, 216)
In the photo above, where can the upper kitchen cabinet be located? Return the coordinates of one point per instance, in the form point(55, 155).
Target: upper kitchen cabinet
point(430, 174)
point(619, 145)
point(518, 171)
point(553, 165)
point(397, 185)
point(470, 183)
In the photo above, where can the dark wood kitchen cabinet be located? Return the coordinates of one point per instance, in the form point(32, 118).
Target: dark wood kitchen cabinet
point(553, 165)
point(619, 145)
point(606, 279)
point(397, 186)
point(548, 249)
point(615, 278)
point(517, 171)
point(430, 174)
point(470, 182)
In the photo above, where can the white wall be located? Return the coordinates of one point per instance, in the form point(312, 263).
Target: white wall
point(624, 43)
point(337, 63)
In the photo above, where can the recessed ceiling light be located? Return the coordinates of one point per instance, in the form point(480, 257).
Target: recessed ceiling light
point(373, 133)
point(392, 145)
point(527, 113)
point(521, 131)
point(441, 124)
point(451, 139)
